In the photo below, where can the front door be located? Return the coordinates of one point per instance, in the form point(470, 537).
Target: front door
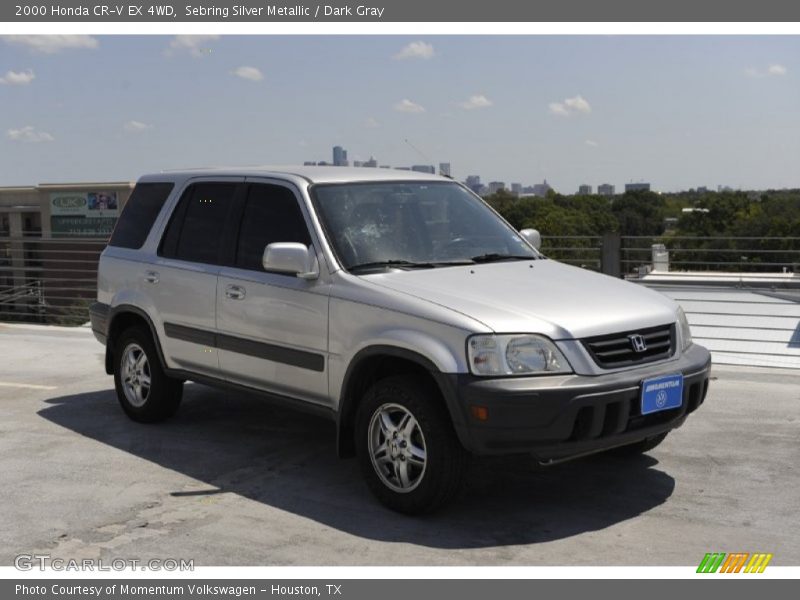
point(272, 327)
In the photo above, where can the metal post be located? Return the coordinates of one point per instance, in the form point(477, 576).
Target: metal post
point(611, 262)
point(17, 251)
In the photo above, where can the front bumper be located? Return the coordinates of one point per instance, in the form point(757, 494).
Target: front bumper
point(560, 417)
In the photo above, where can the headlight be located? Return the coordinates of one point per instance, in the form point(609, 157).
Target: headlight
point(686, 332)
point(497, 355)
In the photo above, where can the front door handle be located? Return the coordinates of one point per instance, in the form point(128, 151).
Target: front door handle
point(151, 277)
point(235, 292)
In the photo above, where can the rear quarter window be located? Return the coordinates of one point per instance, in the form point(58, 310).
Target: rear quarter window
point(139, 214)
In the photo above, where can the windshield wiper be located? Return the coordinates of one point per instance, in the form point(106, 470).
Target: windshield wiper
point(406, 264)
point(496, 257)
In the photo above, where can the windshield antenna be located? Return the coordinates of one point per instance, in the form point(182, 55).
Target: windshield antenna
point(425, 156)
point(420, 152)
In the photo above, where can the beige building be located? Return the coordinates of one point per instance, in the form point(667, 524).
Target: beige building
point(62, 209)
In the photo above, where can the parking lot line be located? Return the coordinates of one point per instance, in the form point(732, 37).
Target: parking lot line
point(28, 386)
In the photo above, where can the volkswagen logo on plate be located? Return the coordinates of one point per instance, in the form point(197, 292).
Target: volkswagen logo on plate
point(661, 398)
point(637, 342)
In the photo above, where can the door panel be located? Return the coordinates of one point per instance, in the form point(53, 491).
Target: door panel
point(185, 299)
point(274, 337)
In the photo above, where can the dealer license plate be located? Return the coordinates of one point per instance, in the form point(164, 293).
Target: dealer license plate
point(662, 393)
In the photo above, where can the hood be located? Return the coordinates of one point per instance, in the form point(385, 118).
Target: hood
point(539, 296)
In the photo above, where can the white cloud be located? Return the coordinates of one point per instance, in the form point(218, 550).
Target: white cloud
point(52, 44)
point(477, 101)
point(570, 106)
point(591, 143)
point(771, 71)
point(249, 73)
point(195, 45)
point(407, 106)
point(415, 50)
point(18, 78)
point(371, 122)
point(29, 134)
point(136, 126)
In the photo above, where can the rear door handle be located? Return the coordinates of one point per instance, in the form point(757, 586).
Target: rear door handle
point(151, 277)
point(235, 292)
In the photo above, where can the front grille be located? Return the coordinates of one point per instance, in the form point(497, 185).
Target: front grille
point(617, 350)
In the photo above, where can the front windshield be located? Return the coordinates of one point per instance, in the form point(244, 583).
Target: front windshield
point(412, 224)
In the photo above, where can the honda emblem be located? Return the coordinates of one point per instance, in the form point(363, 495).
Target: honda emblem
point(637, 342)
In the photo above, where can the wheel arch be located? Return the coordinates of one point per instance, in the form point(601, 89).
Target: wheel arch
point(374, 363)
point(122, 317)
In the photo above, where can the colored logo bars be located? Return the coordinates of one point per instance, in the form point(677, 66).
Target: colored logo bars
point(734, 563)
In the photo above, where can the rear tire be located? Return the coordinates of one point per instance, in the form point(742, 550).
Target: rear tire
point(409, 453)
point(145, 392)
point(640, 447)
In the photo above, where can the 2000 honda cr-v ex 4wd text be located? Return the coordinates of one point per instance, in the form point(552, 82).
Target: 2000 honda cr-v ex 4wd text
point(397, 304)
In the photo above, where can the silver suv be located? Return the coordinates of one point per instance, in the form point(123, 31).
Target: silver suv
point(397, 304)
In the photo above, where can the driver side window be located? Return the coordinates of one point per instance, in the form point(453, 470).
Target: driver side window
point(271, 214)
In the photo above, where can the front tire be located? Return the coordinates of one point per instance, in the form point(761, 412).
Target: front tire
point(408, 451)
point(145, 392)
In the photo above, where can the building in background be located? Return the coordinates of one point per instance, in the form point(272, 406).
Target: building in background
point(585, 190)
point(51, 236)
point(516, 189)
point(541, 189)
point(637, 187)
point(424, 169)
point(372, 163)
point(605, 189)
point(444, 169)
point(496, 186)
point(473, 182)
point(340, 157)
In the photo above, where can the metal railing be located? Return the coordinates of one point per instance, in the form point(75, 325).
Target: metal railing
point(715, 253)
point(48, 280)
point(579, 250)
point(53, 280)
point(627, 255)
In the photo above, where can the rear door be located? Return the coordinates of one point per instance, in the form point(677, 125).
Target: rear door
point(183, 280)
point(272, 327)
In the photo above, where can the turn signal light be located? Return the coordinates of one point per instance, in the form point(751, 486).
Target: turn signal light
point(480, 412)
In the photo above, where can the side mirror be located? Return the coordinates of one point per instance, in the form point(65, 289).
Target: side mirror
point(291, 258)
point(533, 237)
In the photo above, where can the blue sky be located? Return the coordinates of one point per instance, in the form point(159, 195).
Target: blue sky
point(677, 111)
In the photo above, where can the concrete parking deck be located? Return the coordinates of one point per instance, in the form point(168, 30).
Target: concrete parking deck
point(233, 480)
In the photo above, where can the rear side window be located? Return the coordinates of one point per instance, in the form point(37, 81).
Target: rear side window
point(195, 230)
point(139, 214)
point(271, 214)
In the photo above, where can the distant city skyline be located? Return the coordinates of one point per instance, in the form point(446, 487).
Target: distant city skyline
point(679, 112)
point(477, 185)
